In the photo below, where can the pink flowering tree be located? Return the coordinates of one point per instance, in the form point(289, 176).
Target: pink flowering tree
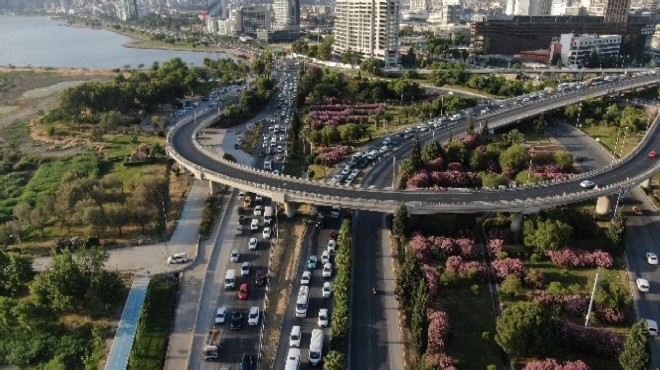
point(509, 266)
point(579, 258)
point(432, 280)
point(422, 247)
point(438, 331)
point(552, 364)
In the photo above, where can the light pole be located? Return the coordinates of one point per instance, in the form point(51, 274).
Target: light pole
point(393, 170)
point(591, 301)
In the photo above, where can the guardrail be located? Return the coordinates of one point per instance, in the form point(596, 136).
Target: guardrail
point(422, 206)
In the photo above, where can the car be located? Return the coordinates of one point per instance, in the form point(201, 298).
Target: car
point(651, 258)
point(236, 320)
point(643, 285)
point(245, 269)
point(587, 184)
point(257, 211)
point(332, 246)
point(247, 363)
point(651, 327)
point(220, 315)
point(652, 154)
point(327, 289)
point(327, 270)
point(276, 172)
point(252, 244)
point(311, 262)
point(259, 198)
point(177, 258)
point(235, 255)
point(261, 277)
point(267, 232)
point(253, 316)
point(243, 292)
point(323, 318)
point(325, 257)
point(241, 195)
point(306, 277)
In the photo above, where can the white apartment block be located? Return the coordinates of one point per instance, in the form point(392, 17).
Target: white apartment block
point(576, 49)
point(528, 7)
point(287, 14)
point(368, 27)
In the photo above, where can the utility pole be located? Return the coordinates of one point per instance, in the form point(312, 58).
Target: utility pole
point(591, 301)
point(393, 171)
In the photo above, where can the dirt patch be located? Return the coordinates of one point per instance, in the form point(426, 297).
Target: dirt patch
point(283, 268)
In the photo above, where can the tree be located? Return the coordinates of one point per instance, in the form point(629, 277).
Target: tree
point(416, 155)
point(335, 360)
point(511, 286)
point(513, 137)
point(636, 353)
point(400, 223)
point(493, 180)
point(616, 233)
point(16, 272)
point(524, 329)
point(419, 319)
point(545, 234)
point(514, 158)
point(432, 151)
point(406, 283)
point(564, 159)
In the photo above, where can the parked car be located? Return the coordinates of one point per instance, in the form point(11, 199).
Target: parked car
point(643, 285)
point(235, 255)
point(177, 258)
point(261, 277)
point(252, 244)
point(220, 315)
point(245, 269)
point(323, 320)
point(651, 258)
point(236, 320)
point(267, 232)
point(253, 316)
point(243, 292)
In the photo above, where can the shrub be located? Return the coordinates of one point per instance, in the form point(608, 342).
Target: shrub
point(438, 331)
point(432, 280)
point(552, 364)
point(590, 340)
point(535, 279)
point(580, 258)
point(511, 286)
point(509, 266)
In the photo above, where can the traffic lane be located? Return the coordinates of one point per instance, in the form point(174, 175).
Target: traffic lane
point(368, 321)
point(245, 340)
point(587, 153)
point(290, 320)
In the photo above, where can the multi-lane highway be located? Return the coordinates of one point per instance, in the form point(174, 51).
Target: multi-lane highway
point(182, 147)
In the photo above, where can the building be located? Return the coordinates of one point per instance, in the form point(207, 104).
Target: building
point(287, 14)
point(509, 37)
point(249, 19)
point(451, 12)
point(616, 11)
point(575, 50)
point(368, 27)
point(528, 7)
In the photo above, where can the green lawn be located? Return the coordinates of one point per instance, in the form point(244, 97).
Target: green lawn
point(153, 331)
point(470, 315)
point(607, 135)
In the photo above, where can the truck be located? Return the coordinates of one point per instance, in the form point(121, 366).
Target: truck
point(268, 215)
point(316, 347)
point(212, 345)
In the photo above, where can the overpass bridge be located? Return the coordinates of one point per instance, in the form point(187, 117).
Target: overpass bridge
point(635, 168)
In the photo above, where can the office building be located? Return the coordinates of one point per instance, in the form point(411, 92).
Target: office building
point(616, 11)
point(528, 7)
point(451, 12)
point(368, 27)
point(287, 14)
point(249, 19)
point(575, 50)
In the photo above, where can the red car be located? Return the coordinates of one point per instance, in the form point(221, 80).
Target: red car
point(243, 292)
point(652, 154)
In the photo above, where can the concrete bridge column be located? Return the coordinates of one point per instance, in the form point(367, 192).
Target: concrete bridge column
point(289, 209)
point(603, 206)
point(646, 184)
point(213, 187)
point(516, 223)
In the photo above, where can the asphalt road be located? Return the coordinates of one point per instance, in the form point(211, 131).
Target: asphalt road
point(180, 140)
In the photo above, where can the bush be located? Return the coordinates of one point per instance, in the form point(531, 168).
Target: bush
point(579, 258)
point(341, 296)
point(511, 286)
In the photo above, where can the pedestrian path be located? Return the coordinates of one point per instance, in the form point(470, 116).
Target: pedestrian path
point(123, 342)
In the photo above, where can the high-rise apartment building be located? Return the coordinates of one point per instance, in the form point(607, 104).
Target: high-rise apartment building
point(368, 27)
point(287, 14)
point(451, 12)
point(616, 11)
point(528, 7)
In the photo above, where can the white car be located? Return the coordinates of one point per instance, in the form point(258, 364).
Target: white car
point(332, 246)
point(235, 256)
point(651, 258)
point(643, 285)
point(587, 184)
point(327, 270)
point(241, 195)
point(252, 244)
point(220, 315)
point(245, 269)
point(325, 257)
point(267, 232)
point(253, 316)
point(306, 277)
point(323, 318)
point(327, 289)
point(259, 198)
point(257, 211)
point(177, 258)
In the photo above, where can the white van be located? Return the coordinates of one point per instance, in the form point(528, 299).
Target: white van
point(230, 279)
point(294, 337)
point(316, 347)
point(292, 359)
point(254, 224)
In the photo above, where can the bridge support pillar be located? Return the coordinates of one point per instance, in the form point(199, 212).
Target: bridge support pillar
point(646, 183)
point(213, 187)
point(289, 209)
point(516, 223)
point(603, 206)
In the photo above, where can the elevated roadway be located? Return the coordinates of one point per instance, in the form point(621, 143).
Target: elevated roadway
point(185, 148)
